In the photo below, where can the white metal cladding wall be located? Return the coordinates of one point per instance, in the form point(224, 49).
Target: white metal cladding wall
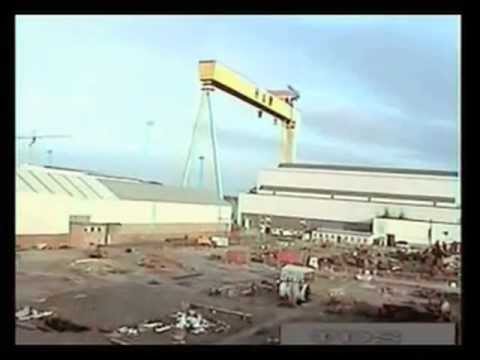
point(411, 231)
point(363, 182)
point(453, 232)
point(354, 211)
point(50, 214)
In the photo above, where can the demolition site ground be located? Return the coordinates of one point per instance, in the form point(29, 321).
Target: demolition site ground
point(189, 294)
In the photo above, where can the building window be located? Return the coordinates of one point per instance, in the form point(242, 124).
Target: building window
point(263, 98)
point(270, 101)
point(256, 93)
point(99, 229)
point(85, 229)
point(92, 229)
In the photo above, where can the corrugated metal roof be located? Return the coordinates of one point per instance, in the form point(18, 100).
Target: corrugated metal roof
point(153, 192)
point(369, 169)
point(76, 184)
point(91, 185)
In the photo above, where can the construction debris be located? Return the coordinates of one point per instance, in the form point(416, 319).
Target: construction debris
point(128, 331)
point(41, 246)
point(335, 295)
point(237, 257)
point(117, 341)
point(220, 241)
point(313, 262)
point(214, 257)
point(186, 276)
point(204, 241)
point(364, 277)
point(98, 253)
point(162, 329)
point(213, 309)
point(29, 313)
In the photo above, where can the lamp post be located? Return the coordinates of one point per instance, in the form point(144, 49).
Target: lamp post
point(49, 156)
point(150, 125)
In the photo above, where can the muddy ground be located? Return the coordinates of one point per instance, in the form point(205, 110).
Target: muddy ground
point(127, 288)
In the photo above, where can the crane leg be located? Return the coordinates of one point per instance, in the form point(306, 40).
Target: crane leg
point(288, 148)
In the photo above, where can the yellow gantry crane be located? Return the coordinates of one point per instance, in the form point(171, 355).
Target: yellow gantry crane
point(277, 103)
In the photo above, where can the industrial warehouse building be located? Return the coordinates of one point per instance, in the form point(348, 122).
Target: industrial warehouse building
point(356, 204)
point(80, 208)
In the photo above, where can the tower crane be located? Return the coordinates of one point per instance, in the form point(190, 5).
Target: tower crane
point(34, 138)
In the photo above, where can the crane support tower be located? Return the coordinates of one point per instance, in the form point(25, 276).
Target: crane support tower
point(277, 103)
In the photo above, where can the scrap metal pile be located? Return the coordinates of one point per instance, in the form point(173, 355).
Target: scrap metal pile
point(181, 324)
point(434, 261)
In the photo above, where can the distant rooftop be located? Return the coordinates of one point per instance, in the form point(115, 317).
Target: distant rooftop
point(369, 169)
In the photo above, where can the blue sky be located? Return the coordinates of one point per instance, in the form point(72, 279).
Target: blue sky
point(375, 90)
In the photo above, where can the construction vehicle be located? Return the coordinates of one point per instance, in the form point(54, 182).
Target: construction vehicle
point(294, 284)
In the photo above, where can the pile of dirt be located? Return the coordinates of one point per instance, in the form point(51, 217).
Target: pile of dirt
point(155, 263)
point(97, 266)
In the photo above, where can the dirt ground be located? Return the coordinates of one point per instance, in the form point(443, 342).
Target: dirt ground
point(128, 288)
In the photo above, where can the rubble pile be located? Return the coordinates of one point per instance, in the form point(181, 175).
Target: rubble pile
point(435, 261)
point(28, 313)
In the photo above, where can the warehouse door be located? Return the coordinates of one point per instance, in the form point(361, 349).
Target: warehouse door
point(390, 240)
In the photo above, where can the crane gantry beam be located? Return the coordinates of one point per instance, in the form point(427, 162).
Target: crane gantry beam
point(278, 104)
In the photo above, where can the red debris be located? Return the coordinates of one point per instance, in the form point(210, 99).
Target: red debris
point(285, 257)
point(238, 257)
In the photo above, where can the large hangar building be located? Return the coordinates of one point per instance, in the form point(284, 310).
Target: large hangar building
point(76, 207)
point(356, 204)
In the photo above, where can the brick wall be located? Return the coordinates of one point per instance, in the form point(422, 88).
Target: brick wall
point(121, 234)
point(131, 233)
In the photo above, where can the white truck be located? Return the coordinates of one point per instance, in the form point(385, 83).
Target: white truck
point(294, 284)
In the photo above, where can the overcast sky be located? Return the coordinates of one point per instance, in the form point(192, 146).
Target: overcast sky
point(378, 90)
